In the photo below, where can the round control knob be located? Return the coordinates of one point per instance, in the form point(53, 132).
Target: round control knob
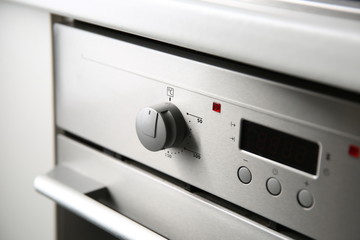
point(160, 126)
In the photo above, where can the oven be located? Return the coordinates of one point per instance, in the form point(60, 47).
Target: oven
point(156, 141)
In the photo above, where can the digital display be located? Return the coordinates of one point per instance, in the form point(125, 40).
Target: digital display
point(279, 146)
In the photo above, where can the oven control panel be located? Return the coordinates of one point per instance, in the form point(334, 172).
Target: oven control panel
point(287, 154)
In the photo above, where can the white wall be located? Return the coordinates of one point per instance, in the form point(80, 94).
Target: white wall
point(26, 122)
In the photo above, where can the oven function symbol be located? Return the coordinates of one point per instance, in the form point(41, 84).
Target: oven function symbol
point(170, 91)
point(161, 126)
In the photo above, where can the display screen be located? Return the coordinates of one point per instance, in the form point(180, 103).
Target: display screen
point(279, 146)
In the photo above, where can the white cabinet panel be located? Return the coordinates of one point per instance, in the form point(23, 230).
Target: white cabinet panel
point(26, 122)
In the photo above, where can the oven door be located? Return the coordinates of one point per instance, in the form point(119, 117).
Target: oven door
point(131, 203)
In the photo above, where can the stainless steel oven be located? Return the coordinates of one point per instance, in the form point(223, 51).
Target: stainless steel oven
point(157, 141)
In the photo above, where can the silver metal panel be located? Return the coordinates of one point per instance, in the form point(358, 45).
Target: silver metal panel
point(82, 56)
point(67, 188)
point(151, 201)
point(102, 83)
point(310, 45)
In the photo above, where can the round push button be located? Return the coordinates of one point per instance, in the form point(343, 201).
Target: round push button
point(244, 175)
point(305, 198)
point(273, 186)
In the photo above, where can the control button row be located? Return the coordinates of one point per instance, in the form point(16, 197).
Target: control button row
point(273, 185)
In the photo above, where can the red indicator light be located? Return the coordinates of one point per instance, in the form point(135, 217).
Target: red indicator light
point(354, 151)
point(216, 107)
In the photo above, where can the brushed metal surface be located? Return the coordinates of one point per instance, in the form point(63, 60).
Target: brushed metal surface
point(310, 45)
point(68, 189)
point(100, 90)
point(158, 204)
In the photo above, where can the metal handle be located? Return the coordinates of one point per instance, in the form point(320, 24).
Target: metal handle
point(69, 189)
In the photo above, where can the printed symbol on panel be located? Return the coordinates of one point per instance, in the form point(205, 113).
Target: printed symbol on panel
point(199, 119)
point(170, 91)
point(328, 156)
point(275, 171)
point(232, 124)
point(168, 154)
point(326, 172)
point(195, 154)
point(233, 139)
point(306, 183)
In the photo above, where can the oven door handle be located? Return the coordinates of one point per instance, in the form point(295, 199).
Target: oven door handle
point(75, 192)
